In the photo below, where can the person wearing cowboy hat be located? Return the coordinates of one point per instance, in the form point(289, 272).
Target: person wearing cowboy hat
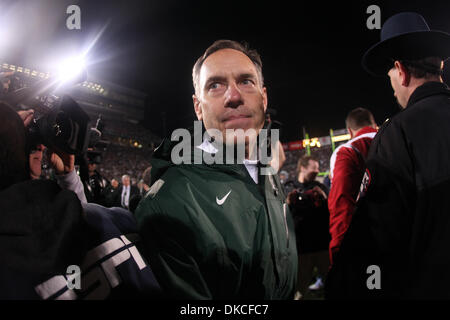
point(397, 244)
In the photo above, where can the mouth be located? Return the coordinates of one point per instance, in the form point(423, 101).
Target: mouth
point(236, 117)
point(237, 121)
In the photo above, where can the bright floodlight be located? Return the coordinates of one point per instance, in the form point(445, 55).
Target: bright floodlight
point(70, 68)
point(5, 40)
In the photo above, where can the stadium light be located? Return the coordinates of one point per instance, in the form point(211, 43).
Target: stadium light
point(71, 68)
point(4, 40)
point(341, 137)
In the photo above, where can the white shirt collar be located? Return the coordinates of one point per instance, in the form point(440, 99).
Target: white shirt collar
point(250, 165)
point(207, 147)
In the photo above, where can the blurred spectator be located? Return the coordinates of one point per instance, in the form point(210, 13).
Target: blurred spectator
point(111, 193)
point(5, 85)
point(5, 81)
point(126, 192)
point(95, 186)
point(114, 183)
point(284, 177)
point(322, 155)
point(307, 199)
point(146, 180)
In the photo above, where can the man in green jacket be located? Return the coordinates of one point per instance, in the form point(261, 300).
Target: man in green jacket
point(216, 229)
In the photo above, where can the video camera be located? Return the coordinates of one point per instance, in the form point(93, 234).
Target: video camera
point(64, 127)
point(59, 122)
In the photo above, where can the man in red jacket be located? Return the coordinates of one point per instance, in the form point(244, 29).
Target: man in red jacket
point(347, 166)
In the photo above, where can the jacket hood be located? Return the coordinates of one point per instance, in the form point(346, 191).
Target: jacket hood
point(161, 159)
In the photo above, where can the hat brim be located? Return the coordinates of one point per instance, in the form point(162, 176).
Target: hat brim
point(410, 46)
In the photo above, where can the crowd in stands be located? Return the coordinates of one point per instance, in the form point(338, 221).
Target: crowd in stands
point(119, 160)
point(130, 133)
point(322, 154)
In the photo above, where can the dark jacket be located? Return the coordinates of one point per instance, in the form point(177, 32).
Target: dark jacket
point(113, 267)
point(311, 216)
point(95, 188)
point(44, 230)
point(134, 192)
point(111, 196)
point(402, 220)
point(41, 234)
point(213, 233)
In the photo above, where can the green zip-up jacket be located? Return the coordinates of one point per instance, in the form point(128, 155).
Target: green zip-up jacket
point(211, 232)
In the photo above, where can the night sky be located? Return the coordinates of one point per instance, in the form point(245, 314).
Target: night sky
point(311, 52)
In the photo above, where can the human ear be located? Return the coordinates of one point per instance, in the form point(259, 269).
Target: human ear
point(197, 107)
point(265, 99)
point(405, 76)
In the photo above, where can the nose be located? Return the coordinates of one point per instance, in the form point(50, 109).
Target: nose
point(233, 97)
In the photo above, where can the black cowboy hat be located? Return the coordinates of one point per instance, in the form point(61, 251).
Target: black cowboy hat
point(405, 36)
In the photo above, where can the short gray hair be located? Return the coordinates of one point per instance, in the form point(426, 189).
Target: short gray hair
point(253, 55)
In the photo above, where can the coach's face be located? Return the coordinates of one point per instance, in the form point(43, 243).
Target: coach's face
point(230, 93)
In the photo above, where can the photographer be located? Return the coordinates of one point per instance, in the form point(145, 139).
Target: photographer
point(45, 228)
point(41, 224)
point(307, 201)
point(36, 150)
point(95, 185)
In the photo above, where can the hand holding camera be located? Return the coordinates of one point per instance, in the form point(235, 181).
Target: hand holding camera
point(61, 161)
point(26, 116)
point(300, 198)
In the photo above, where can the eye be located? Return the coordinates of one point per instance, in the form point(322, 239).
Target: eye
point(214, 86)
point(247, 82)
